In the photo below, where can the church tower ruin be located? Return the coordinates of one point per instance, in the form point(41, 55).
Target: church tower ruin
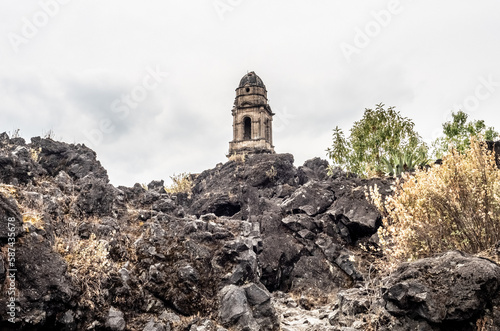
point(252, 118)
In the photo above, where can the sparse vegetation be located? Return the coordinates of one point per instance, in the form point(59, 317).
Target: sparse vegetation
point(181, 183)
point(455, 205)
point(272, 173)
point(35, 154)
point(380, 134)
point(49, 134)
point(35, 218)
point(14, 134)
point(8, 190)
point(89, 266)
point(238, 158)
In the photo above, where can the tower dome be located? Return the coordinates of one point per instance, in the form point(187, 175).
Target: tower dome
point(252, 118)
point(251, 79)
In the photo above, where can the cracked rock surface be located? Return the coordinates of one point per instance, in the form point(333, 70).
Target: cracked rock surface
point(257, 245)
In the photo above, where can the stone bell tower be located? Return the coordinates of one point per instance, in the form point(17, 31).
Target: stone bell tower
point(252, 118)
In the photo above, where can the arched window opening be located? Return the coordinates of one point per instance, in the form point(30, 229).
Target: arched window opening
point(247, 124)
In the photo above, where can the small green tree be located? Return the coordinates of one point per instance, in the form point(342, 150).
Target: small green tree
point(457, 133)
point(377, 137)
point(339, 150)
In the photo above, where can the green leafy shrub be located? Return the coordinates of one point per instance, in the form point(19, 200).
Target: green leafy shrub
point(455, 205)
point(379, 135)
point(457, 133)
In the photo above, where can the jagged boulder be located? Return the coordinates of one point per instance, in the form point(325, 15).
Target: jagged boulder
point(115, 320)
point(43, 288)
point(300, 222)
point(77, 161)
point(247, 308)
point(232, 188)
point(312, 198)
point(263, 170)
point(281, 252)
point(179, 272)
point(355, 213)
point(11, 220)
point(451, 289)
point(313, 169)
point(315, 273)
point(18, 162)
point(96, 198)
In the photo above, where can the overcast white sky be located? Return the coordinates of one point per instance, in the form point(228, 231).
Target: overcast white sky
point(149, 85)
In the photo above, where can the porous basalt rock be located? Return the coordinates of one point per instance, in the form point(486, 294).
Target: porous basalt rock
point(451, 288)
point(212, 260)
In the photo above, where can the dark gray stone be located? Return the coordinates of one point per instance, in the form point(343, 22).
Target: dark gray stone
point(115, 320)
point(313, 198)
point(306, 234)
point(234, 305)
point(78, 161)
point(11, 220)
point(452, 287)
point(314, 169)
point(256, 295)
point(155, 326)
point(359, 216)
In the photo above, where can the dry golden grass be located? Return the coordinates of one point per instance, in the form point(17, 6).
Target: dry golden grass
point(238, 158)
point(89, 264)
point(35, 153)
point(9, 191)
point(182, 183)
point(35, 218)
point(272, 173)
point(29, 215)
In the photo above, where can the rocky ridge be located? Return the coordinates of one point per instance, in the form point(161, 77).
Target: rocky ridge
point(257, 245)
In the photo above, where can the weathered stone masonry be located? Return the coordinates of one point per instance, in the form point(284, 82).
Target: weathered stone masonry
point(252, 118)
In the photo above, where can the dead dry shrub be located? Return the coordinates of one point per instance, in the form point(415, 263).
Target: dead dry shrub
point(35, 218)
point(89, 266)
point(455, 205)
point(238, 158)
point(181, 183)
point(9, 191)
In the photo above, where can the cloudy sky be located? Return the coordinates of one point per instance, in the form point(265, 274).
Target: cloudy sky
point(149, 85)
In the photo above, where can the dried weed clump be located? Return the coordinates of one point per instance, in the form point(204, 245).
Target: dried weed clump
point(9, 191)
point(35, 218)
point(455, 205)
point(238, 158)
point(182, 183)
point(89, 264)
